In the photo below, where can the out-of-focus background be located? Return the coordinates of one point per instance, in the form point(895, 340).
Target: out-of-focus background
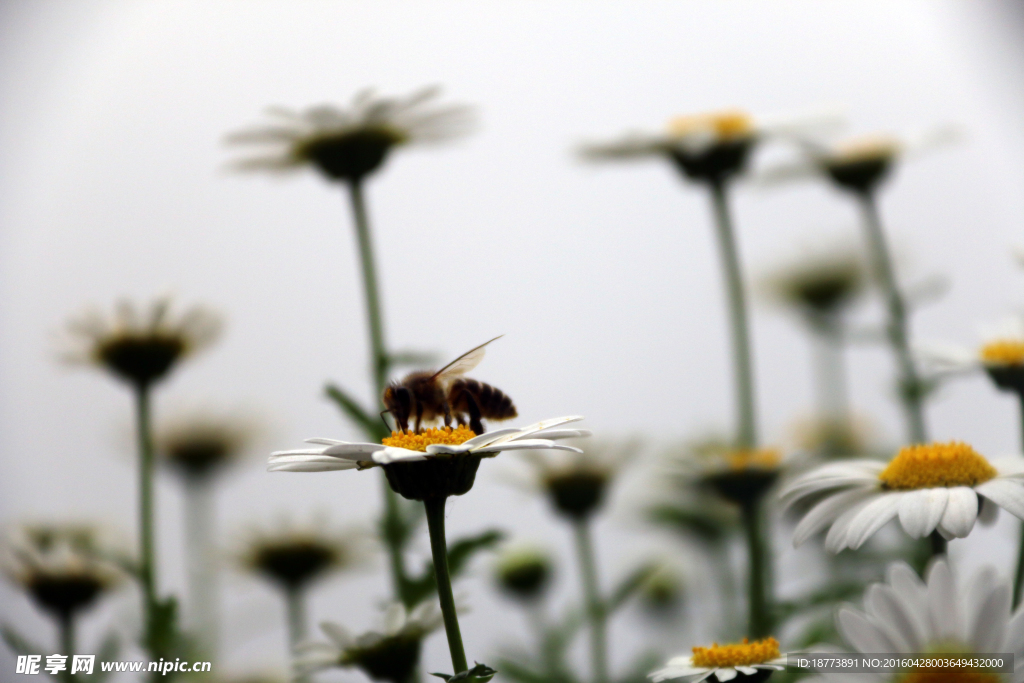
point(604, 280)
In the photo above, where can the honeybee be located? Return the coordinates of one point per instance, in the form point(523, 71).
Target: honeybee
point(429, 395)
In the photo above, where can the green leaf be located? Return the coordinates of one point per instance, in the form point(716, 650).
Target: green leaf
point(705, 525)
point(18, 643)
point(640, 667)
point(107, 651)
point(460, 552)
point(480, 673)
point(820, 598)
point(162, 638)
point(372, 426)
point(628, 587)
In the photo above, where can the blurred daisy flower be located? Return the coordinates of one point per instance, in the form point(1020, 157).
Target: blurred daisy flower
point(929, 487)
point(139, 344)
point(64, 568)
point(523, 572)
point(744, 661)
point(293, 556)
point(906, 615)
point(349, 143)
point(576, 482)
point(861, 163)
point(200, 444)
point(820, 283)
point(391, 654)
point(432, 463)
point(1000, 355)
point(709, 146)
point(738, 475)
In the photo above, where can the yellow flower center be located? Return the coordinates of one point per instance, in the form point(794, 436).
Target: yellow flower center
point(759, 458)
point(1003, 352)
point(736, 654)
point(727, 125)
point(936, 465)
point(419, 442)
point(866, 149)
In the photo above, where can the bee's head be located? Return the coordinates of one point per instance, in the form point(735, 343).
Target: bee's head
point(398, 401)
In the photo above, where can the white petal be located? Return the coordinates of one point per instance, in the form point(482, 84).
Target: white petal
point(325, 442)
point(447, 449)
point(746, 670)
point(825, 512)
point(903, 628)
point(921, 511)
point(353, 451)
point(942, 604)
point(835, 539)
point(988, 627)
point(683, 661)
point(726, 674)
point(309, 463)
point(394, 618)
point(524, 445)
point(961, 512)
point(872, 517)
point(538, 427)
point(1006, 493)
point(393, 454)
point(488, 437)
point(861, 633)
point(338, 633)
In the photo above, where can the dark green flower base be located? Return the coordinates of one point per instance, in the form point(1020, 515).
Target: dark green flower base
point(436, 477)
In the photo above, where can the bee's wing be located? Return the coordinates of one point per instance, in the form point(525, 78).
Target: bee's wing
point(464, 363)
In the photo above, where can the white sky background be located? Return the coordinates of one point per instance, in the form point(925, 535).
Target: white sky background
point(605, 280)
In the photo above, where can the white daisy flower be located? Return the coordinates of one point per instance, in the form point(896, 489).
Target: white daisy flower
point(725, 662)
point(1001, 348)
point(939, 486)
point(139, 344)
point(906, 615)
point(859, 163)
point(698, 133)
point(349, 143)
point(64, 567)
point(429, 444)
point(430, 463)
point(390, 654)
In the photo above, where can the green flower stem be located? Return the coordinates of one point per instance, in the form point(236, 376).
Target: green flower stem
point(201, 574)
point(910, 385)
point(760, 613)
point(147, 568)
point(742, 358)
point(833, 398)
point(370, 288)
point(439, 551)
point(67, 644)
point(1018, 582)
point(595, 605)
point(295, 604)
point(380, 365)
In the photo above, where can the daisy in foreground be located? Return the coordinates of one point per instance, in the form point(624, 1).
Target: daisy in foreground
point(430, 466)
point(745, 661)
point(939, 486)
point(906, 615)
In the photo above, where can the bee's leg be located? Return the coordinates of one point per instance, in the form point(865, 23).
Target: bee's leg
point(447, 415)
point(419, 416)
point(474, 414)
